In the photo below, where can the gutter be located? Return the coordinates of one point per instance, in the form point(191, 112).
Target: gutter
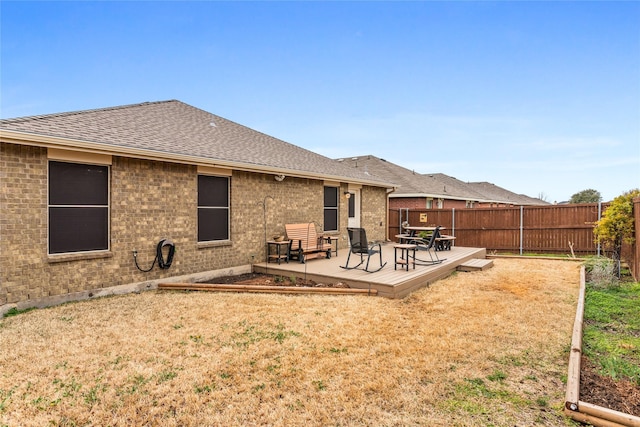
point(24, 138)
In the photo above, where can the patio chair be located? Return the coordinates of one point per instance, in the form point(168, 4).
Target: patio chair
point(428, 245)
point(359, 245)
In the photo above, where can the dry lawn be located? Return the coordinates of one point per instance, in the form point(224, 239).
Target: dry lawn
point(484, 348)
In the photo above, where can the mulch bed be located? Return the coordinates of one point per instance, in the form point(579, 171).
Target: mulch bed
point(271, 280)
point(619, 395)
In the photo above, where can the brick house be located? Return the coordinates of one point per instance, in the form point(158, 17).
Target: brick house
point(436, 190)
point(81, 191)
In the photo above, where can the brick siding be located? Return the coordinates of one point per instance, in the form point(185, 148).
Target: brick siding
point(150, 201)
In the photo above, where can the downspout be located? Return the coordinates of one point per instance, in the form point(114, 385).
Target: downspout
point(386, 213)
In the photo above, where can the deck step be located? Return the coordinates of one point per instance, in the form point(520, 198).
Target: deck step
point(475, 265)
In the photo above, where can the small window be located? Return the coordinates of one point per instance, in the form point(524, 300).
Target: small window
point(429, 203)
point(78, 207)
point(330, 208)
point(213, 208)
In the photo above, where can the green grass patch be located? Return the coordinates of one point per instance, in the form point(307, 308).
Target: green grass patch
point(560, 256)
point(251, 334)
point(612, 329)
point(14, 311)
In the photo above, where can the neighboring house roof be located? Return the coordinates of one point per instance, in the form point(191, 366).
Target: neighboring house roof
point(175, 131)
point(435, 185)
point(492, 190)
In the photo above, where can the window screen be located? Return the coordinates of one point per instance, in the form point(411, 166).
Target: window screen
point(213, 208)
point(330, 208)
point(78, 207)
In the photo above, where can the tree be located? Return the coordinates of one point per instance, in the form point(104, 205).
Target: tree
point(617, 224)
point(586, 196)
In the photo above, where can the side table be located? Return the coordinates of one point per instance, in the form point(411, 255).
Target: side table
point(332, 241)
point(280, 251)
point(407, 252)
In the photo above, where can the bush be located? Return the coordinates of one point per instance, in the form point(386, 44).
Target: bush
point(601, 272)
point(617, 225)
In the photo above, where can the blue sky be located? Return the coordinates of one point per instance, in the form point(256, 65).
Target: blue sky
point(541, 98)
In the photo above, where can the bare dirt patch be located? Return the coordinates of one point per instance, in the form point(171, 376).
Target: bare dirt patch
point(258, 279)
point(482, 348)
point(619, 395)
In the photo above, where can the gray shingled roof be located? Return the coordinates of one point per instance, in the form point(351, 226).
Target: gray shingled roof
point(437, 185)
point(173, 128)
point(493, 191)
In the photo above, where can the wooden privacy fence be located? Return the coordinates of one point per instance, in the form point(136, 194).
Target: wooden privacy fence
point(557, 229)
point(544, 229)
point(633, 256)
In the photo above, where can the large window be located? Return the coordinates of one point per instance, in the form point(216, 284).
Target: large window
point(331, 208)
point(213, 208)
point(78, 207)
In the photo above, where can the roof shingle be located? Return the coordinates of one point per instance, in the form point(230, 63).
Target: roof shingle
point(174, 128)
point(412, 184)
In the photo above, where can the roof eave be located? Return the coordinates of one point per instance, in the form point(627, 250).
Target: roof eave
point(450, 197)
point(34, 139)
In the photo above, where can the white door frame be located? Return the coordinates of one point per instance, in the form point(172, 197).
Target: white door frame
point(354, 221)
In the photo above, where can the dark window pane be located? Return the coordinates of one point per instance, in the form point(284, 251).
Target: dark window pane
point(78, 229)
point(78, 184)
point(330, 220)
point(330, 197)
point(213, 191)
point(352, 206)
point(213, 224)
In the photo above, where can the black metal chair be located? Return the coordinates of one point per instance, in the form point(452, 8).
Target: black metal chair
point(428, 246)
point(359, 245)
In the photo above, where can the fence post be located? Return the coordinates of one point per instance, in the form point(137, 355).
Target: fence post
point(521, 227)
point(599, 218)
point(400, 219)
point(453, 222)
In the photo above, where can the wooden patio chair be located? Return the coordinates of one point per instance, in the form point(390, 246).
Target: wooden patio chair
point(428, 245)
point(359, 245)
point(306, 243)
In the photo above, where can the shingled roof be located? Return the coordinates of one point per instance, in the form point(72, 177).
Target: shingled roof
point(437, 185)
point(493, 191)
point(175, 131)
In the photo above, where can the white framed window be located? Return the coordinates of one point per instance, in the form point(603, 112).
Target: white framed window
point(429, 203)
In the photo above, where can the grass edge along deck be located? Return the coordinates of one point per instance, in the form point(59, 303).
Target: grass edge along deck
point(387, 282)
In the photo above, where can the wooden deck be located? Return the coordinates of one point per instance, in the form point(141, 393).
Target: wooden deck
point(388, 282)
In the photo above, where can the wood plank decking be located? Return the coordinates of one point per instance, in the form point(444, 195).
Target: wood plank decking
point(387, 282)
point(476, 265)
